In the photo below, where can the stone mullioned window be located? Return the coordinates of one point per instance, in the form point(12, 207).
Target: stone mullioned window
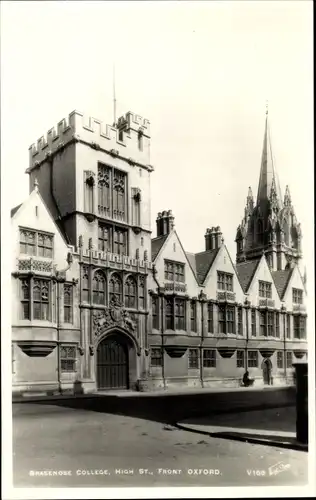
point(265, 289)
point(112, 199)
point(130, 292)
point(225, 281)
point(36, 243)
point(297, 296)
point(174, 271)
point(112, 239)
point(299, 326)
point(68, 358)
point(35, 299)
point(156, 356)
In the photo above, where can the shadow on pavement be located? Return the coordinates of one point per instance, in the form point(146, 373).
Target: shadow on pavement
point(274, 419)
point(172, 408)
point(255, 438)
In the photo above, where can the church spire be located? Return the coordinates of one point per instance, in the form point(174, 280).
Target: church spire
point(268, 180)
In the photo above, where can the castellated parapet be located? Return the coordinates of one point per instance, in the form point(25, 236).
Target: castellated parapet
point(121, 140)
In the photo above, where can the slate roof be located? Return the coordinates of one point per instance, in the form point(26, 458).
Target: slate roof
point(203, 263)
point(246, 271)
point(156, 244)
point(281, 279)
point(15, 209)
point(192, 262)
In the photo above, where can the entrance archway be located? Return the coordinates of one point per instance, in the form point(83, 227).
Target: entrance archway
point(267, 371)
point(112, 363)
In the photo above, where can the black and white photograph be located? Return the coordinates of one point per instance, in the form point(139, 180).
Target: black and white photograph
point(157, 256)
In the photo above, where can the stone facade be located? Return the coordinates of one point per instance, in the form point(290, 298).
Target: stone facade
point(99, 304)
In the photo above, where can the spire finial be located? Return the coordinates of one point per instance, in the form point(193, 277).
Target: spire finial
point(267, 108)
point(36, 184)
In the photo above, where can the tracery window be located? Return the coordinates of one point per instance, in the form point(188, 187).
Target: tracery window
point(98, 288)
point(25, 299)
point(265, 289)
point(299, 326)
point(111, 193)
point(226, 319)
point(193, 358)
point(130, 292)
point(41, 300)
point(193, 316)
point(209, 358)
point(36, 243)
point(156, 356)
point(169, 314)
point(210, 317)
point(85, 285)
point(67, 356)
point(224, 281)
point(115, 288)
point(297, 296)
point(68, 304)
point(141, 292)
point(180, 314)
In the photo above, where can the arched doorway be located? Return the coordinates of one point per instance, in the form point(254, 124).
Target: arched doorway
point(267, 371)
point(112, 363)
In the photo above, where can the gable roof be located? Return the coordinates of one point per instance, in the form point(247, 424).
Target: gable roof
point(56, 223)
point(156, 245)
point(201, 263)
point(245, 271)
point(281, 280)
point(15, 209)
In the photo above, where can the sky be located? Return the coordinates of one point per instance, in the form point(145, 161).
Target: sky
point(201, 72)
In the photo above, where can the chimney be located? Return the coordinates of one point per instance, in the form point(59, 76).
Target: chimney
point(165, 223)
point(213, 238)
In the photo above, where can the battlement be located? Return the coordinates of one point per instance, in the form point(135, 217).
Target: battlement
point(130, 121)
point(112, 260)
point(119, 140)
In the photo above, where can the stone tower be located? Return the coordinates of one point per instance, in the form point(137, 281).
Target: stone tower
point(270, 225)
point(95, 180)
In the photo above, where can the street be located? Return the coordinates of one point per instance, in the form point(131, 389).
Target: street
point(56, 445)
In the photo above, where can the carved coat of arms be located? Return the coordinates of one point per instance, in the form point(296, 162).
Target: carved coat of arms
point(113, 315)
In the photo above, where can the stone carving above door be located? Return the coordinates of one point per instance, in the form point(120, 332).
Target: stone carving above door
point(114, 315)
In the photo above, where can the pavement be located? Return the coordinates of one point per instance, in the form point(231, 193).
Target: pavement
point(80, 444)
point(272, 427)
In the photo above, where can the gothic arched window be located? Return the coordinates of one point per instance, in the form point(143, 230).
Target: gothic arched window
point(286, 232)
point(41, 299)
point(260, 232)
point(130, 292)
point(98, 288)
point(85, 287)
point(104, 199)
point(115, 288)
point(141, 293)
point(119, 195)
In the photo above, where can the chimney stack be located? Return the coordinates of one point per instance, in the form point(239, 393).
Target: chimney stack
point(165, 223)
point(213, 238)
